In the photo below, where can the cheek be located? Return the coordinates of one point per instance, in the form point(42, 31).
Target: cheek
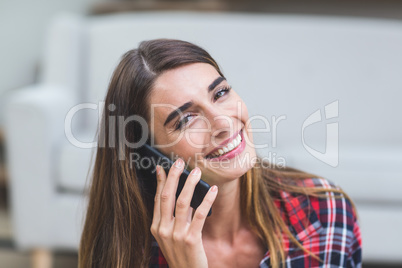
point(195, 140)
point(244, 112)
point(185, 149)
point(245, 119)
point(241, 108)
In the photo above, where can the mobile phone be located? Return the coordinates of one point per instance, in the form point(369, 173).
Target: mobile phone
point(149, 157)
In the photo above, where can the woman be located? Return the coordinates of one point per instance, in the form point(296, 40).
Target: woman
point(261, 215)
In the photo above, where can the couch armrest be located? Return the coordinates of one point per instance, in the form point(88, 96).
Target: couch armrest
point(34, 120)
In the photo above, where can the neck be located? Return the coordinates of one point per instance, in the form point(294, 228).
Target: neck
point(225, 221)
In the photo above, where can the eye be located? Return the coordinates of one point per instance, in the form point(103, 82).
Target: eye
point(183, 121)
point(221, 92)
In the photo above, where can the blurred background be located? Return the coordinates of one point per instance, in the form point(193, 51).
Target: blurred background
point(285, 58)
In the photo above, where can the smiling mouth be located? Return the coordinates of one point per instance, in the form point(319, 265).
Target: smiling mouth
point(227, 148)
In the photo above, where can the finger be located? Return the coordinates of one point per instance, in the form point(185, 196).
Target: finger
point(201, 212)
point(168, 195)
point(190, 214)
point(184, 199)
point(161, 179)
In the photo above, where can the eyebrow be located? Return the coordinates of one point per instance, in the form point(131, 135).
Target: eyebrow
point(216, 82)
point(187, 105)
point(177, 112)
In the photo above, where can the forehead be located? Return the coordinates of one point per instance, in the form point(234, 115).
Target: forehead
point(183, 84)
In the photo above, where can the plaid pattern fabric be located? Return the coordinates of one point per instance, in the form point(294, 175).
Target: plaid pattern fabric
point(327, 227)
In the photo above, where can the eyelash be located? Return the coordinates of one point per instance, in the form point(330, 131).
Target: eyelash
point(225, 89)
point(179, 124)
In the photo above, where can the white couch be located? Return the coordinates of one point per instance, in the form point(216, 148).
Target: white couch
point(281, 65)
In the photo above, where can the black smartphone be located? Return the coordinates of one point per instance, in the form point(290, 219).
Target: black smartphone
point(149, 157)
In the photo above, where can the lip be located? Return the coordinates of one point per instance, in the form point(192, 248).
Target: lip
point(225, 142)
point(238, 150)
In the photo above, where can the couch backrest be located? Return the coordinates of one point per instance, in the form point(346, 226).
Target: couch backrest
point(280, 65)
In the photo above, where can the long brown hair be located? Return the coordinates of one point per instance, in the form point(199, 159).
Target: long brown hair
point(119, 214)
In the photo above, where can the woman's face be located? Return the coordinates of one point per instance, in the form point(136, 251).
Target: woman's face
point(196, 116)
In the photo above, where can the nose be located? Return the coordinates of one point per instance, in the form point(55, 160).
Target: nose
point(222, 124)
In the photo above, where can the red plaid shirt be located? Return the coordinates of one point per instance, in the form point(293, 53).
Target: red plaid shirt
point(326, 227)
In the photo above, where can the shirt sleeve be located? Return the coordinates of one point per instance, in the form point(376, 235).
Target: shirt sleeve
point(355, 246)
point(346, 228)
point(339, 242)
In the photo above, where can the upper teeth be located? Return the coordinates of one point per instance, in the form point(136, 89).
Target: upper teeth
point(229, 147)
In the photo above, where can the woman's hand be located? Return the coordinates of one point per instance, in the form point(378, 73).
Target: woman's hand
point(179, 237)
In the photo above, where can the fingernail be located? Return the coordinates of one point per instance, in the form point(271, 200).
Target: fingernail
point(214, 188)
point(179, 163)
point(195, 171)
point(158, 169)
